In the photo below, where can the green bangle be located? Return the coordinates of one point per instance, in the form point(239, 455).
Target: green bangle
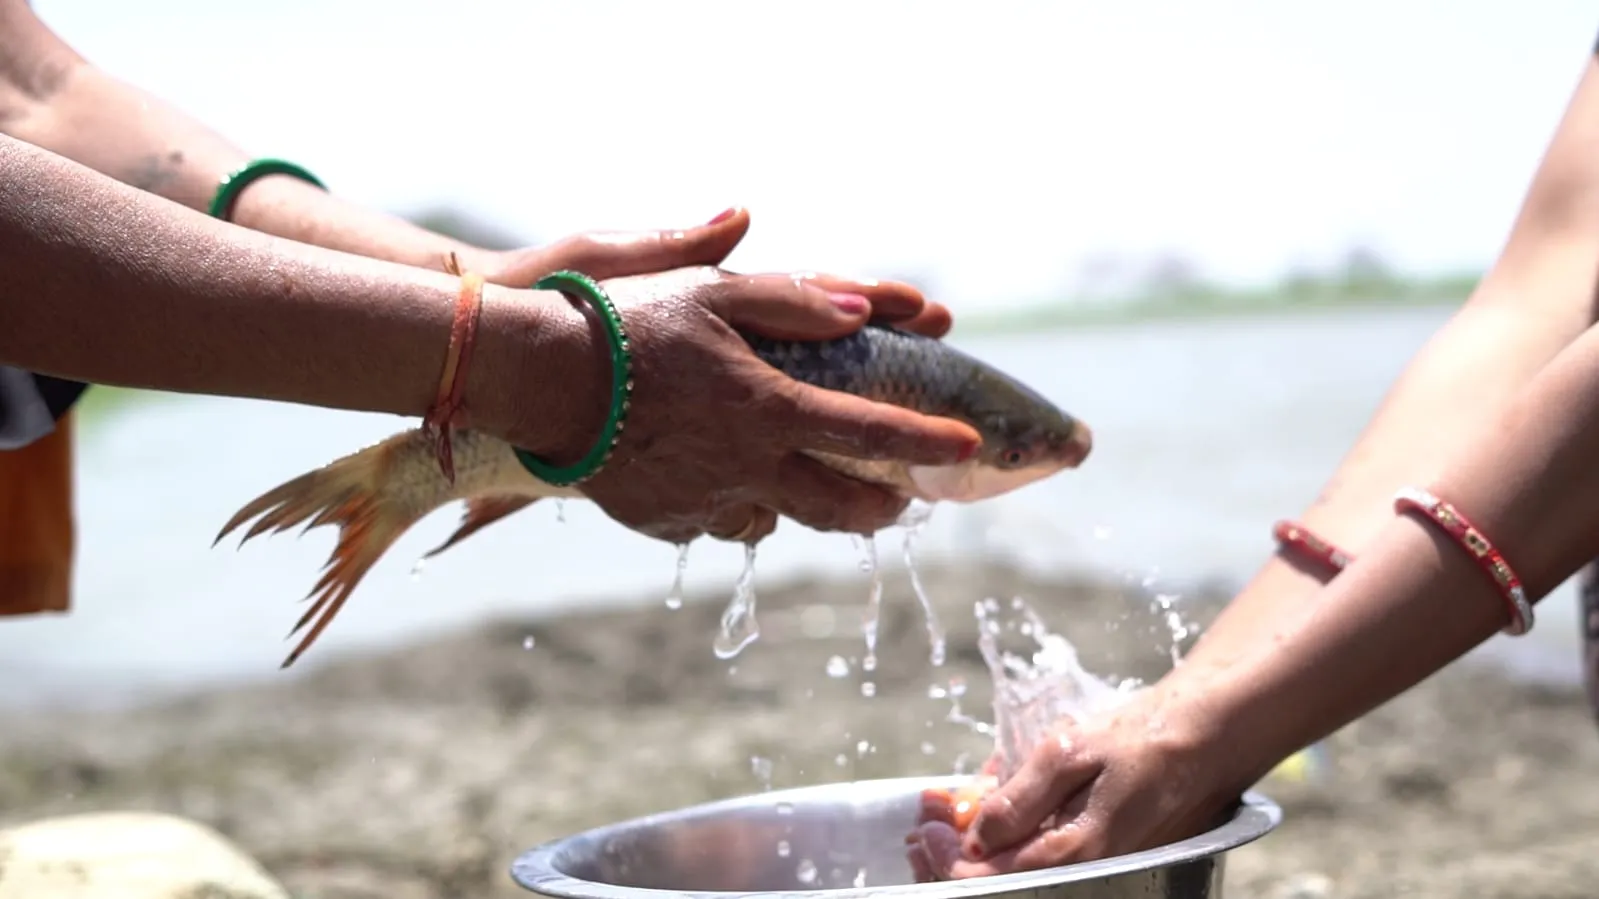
point(569, 282)
point(229, 188)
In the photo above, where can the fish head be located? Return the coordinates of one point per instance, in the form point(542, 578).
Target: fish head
point(1026, 438)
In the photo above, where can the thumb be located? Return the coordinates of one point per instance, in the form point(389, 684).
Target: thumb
point(606, 255)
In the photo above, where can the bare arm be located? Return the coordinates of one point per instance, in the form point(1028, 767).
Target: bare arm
point(1416, 601)
point(53, 98)
point(1536, 300)
point(148, 294)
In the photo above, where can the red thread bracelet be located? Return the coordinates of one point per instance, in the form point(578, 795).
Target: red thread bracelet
point(448, 412)
point(1296, 538)
point(1463, 532)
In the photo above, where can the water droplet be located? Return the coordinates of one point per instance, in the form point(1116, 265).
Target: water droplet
point(785, 808)
point(863, 749)
point(868, 689)
point(841, 760)
point(860, 878)
point(560, 511)
point(528, 641)
point(762, 769)
point(936, 691)
point(806, 872)
point(739, 626)
point(928, 748)
point(783, 849)
point(837, 667)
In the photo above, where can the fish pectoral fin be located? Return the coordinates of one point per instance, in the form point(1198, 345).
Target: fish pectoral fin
point(482, 511)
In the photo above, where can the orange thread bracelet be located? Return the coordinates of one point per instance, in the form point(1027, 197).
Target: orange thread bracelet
point(1488, 558)
point(1301, 541)
point(448, 412)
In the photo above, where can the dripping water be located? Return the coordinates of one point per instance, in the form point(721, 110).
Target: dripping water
point(674, 597)
point(914, 520)
point(739, 627)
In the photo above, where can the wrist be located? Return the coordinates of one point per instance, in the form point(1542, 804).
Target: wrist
point(540, 373)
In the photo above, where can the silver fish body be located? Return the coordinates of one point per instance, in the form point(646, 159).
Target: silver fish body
point(1025, 436)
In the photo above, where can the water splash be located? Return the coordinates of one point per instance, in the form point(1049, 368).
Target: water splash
point(914, 520)
point(1033, 690)
point(739, 627)
point(674, 597)
point(1177, 627)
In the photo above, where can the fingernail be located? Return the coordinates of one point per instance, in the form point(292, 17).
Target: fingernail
point(972, 848)
point(852, 303)
point(968, 451)
point(724, 215)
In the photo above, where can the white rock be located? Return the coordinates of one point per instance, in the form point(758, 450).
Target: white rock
point(127, 855)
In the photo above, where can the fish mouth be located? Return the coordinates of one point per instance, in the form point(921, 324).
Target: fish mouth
point(1079, 444)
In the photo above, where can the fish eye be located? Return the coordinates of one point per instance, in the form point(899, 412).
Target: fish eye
point(1013, 456)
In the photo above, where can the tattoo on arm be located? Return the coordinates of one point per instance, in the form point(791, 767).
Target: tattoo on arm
point(155, 172)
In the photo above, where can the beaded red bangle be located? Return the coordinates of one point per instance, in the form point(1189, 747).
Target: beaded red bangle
point(1462, 531)
point(1296, 538)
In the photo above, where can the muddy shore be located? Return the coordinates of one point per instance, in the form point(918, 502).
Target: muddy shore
point(422, 772)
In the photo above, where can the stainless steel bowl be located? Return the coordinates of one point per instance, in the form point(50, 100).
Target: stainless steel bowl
point(849, 840)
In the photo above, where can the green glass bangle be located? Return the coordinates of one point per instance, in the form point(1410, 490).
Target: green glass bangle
point(232, 184)
point(569, 283)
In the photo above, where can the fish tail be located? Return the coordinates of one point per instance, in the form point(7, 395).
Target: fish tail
point(371, 502)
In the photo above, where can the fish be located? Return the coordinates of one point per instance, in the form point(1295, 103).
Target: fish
point(374, 495)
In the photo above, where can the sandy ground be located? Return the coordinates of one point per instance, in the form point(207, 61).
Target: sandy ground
point(423, 772)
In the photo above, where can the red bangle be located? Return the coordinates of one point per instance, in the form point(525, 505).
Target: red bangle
point(1463, 532)
point(1294, 537)
point(448, 412)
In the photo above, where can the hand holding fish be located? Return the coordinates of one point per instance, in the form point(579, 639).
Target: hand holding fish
point(603, 255)
point(716, 439)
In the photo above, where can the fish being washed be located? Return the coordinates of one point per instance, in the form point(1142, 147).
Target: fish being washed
point(374, 495)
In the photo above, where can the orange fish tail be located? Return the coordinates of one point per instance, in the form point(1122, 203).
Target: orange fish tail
point(347, 494)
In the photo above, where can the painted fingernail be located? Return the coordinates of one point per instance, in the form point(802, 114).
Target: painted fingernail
point(972, 848)
point(968, 451)
point(852, 303)
point(724, 215)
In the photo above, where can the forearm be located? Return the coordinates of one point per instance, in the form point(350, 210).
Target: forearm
point(57, 100)
point(1537, 299)
point(1416, 601)
point(145, 294)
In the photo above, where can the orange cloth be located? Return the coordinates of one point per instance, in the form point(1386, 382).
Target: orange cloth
point(37, 532)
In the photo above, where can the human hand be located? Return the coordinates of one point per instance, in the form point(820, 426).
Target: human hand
point(1136, 777)
point(603, 255)
point(715, 436)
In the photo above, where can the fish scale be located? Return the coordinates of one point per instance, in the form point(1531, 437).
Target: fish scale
point(878, 363)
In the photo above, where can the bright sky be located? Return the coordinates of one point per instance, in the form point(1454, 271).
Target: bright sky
point(992, 150)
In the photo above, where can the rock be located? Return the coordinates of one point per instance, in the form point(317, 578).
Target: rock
point(127, 855)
